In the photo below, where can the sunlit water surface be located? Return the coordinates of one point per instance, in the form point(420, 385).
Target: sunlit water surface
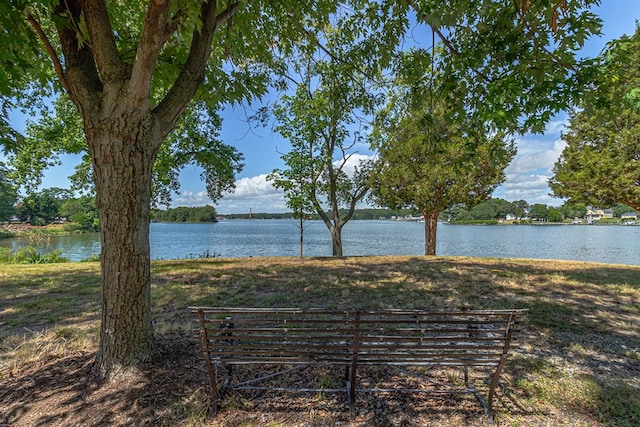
point(243, 238)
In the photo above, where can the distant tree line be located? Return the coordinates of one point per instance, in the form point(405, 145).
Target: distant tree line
point(368, 213)
point(185, 214)
point(496, 209)
point(59, 205)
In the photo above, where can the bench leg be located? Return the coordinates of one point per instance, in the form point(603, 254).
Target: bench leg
point(217, 393)
point(349, 381)
point(351, 397)
point(492, 388)
point(351, 384)
point(213, 382)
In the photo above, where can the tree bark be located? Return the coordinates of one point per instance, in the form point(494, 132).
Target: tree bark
point(336, 240)
point(430, 229)
point(301, 225)
point(123, 151)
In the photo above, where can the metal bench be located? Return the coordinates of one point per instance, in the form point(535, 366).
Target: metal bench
point(296, 338)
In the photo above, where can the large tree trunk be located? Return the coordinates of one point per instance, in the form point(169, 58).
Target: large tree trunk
point(123, 153)
point(430, 229)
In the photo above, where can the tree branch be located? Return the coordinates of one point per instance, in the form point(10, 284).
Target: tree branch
point(173, 105)
point(151, 41)
point(50, 50)
point(172, 25)
point(81, 76)
point(102, 42)
point(339, 60)
point(447, 43)
point(455, 52)
point(554, 57)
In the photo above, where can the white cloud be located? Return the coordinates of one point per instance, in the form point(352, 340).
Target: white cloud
point(352, 162)
point(252, 194)
point(535, 155)
point(189, 198)
point(253, 186)
point(555, 127)
point(529, 172)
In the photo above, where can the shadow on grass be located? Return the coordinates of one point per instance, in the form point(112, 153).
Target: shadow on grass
point(62, 391)
point(579, 314)
point(560, 296)
point(38, 298)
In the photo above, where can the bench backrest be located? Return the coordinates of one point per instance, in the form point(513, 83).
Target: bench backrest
point(397, 337)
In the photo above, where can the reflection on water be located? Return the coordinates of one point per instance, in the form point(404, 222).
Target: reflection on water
point(610, 244)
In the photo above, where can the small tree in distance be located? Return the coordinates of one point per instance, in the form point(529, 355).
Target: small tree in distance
point(431, 155)
point(8, 195)
point(296, 183)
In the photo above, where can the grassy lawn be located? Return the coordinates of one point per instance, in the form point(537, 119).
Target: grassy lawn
point(577, 364)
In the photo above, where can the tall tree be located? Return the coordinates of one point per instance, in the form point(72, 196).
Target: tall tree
point(134, 70)
point(43, 207)
point(316, 122)
point(82, 211)
point(599, 165)
point(322, 121)
point(539, 212)
point(432, 155)
point(519, 208)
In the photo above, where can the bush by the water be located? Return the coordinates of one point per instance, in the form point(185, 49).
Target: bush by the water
point(33, 255)
point(37, 252)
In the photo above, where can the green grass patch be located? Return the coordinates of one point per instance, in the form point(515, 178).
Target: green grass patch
point(577, 359)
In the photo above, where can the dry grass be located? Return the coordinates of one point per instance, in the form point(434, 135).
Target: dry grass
point(579, 363)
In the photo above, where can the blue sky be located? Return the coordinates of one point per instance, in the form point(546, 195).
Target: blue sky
point(527, 175)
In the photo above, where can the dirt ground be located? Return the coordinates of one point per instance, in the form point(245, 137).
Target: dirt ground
point(173, 392)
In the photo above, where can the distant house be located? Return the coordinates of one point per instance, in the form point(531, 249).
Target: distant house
point(511, 217)
point(595, 214)
point(608, 213)
point(629, 216)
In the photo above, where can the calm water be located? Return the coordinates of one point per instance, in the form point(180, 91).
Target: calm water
point(242, 238)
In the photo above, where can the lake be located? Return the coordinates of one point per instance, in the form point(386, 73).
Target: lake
point(244, 238)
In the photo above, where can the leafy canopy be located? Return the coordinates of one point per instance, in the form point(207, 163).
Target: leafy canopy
point(517, 61)
point(238, 69)
point(600, 164)
point(432, 154)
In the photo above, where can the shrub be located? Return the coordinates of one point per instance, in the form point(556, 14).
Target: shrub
point(37, 252)
point(33, 255)
point(92, 258)
point(72, 227)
